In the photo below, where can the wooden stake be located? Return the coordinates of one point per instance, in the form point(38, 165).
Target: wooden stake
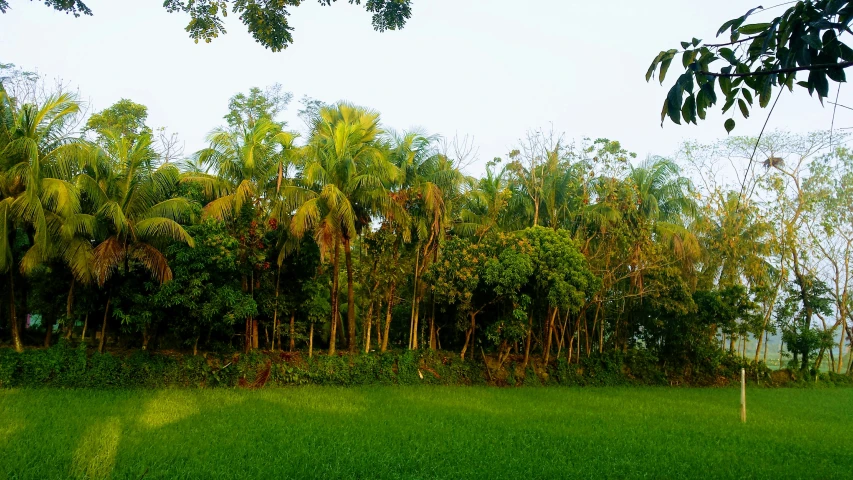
point(743, 395)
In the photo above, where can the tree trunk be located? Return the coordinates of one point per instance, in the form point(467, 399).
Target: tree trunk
point(351, 343)
point(255, 333)
point(85, 326)
point(527, 341)
point(146, 337)
point(335, 274)
point(469, 335)
point(275, 326)
point(13, 317)
point(69, 308)
point(195, 346)
point(413, 324)
point(549, 332)
point(48, 336)
point(432, 326)
point(378, 323)
point(368, 326)
point(103, 342)
point(841, 346)
point(388, 318)
point(311, 340)
point(292, 331)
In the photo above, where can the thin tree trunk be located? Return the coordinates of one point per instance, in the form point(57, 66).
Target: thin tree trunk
point(335, 274)
point(69, 308)
point(368, 326)
point(527, 341)
point(292, 331)
point(432, 326)
point(195, 346)
point(275, 326)
point(378, 323)
point(550, 330)
point(388, 318)
point(766, 340)
point(841, 348)
point(311, 340)
point(413, 323)
point(85, 326)
point(351, 343)
point(146, 337)
point(103, 342)
point(13, 316)
point(469, 334)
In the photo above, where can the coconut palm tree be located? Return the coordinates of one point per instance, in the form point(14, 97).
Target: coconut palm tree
point(36, 152)
point(343, 186)
point(136, 208)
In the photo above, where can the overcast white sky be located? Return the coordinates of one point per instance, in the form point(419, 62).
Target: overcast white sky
point(491, 69)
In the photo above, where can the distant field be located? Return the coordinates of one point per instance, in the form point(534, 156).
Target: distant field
point(433, 432)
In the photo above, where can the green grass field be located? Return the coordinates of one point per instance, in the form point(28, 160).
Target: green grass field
point(436, 432)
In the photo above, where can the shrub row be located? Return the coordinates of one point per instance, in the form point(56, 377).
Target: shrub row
point(64, 366)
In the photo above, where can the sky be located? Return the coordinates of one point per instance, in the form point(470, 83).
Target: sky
point(489, 69)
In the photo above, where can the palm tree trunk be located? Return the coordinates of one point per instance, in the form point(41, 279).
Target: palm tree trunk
point(388, 318)
point(275, 326)
point(85, 326)
point(413, 324)
point(13, 317)
point(335, 274)
point(103, 342)
point(368, 326)
point(351, 343)
point(69, 308)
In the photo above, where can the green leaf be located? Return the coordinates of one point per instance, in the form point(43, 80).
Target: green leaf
point(688, 110)
point(818, 80)
point(696, 42)
point(688, 57)
point(654, 65)
point(729, 125)
point(836, 74)
point(729, 55)
point(685, 45)
point(744, 110)
point(664, 64)
point(673, 104)
point(753, 28)
point(747, 95)
point(726, 85)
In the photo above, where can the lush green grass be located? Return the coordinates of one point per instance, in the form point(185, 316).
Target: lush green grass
point(434, 432)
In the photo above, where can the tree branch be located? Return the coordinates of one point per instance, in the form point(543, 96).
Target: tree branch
point(824, 66)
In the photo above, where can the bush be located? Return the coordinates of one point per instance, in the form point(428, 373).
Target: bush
point(64, 366)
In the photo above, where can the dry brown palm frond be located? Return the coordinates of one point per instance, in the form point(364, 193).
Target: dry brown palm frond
point(153, 261)
point(106, 257)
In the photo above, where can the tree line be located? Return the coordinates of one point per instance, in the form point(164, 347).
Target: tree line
point(351, 236)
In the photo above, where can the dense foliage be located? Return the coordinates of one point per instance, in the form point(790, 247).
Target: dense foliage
point(352, 236)
point(266, 20)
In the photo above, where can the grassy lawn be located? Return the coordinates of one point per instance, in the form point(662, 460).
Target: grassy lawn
point(437, 432)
